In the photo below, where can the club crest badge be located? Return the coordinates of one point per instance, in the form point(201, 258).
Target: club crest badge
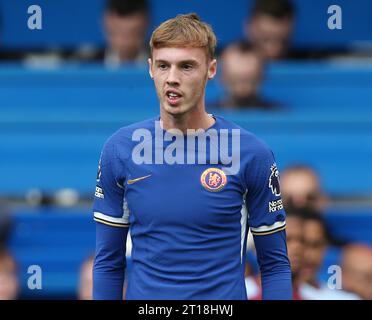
point(274, 182)
point(213, 179)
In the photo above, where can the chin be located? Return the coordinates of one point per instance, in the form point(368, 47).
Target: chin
point(175, 110)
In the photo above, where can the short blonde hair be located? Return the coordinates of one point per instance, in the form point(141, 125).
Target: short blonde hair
point(185, 30)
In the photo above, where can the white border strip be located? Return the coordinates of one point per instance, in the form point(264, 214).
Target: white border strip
point(277, 224)
point(243, 223)
point(104, 217)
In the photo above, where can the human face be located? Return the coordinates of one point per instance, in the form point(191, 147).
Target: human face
point(125, 34)
point(241, 74)
point(270, 36)
point(357, 272)
point(301, 188)
point(180, 76)
point(315, 245)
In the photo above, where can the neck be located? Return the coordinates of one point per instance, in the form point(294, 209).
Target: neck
point(197, 118)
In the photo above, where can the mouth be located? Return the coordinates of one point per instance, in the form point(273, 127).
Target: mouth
point(173, 97)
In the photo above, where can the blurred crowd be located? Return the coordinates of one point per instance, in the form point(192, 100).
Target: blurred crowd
point(308, 239)
point(267, 30)
point(267, 37)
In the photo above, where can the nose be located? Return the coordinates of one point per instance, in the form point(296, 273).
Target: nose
point(173, 77)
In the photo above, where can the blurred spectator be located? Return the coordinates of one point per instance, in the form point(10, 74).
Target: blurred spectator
point(316, 243)
point(295, 246)
point(9, 285)
point(126, 23)
point(357, 270)
point(270, 28)
point(315, 246)
point(242, 73)
point(85, 286)
point(300, 188)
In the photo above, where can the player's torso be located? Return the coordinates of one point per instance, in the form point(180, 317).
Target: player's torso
point(188, 225)
point(201, 195)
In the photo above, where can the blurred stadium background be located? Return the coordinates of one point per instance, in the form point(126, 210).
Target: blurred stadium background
point(55, 117)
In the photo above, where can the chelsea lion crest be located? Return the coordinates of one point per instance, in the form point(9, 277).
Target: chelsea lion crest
point(213, 179)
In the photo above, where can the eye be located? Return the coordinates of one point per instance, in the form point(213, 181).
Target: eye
point(162, 66)
point(187, 66)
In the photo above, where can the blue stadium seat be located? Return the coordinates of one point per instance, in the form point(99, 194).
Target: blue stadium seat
point(56, 240)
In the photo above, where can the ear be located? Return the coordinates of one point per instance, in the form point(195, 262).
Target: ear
point(150, 68)
point(212, 69)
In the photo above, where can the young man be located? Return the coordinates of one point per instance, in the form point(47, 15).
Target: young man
point(185, 185)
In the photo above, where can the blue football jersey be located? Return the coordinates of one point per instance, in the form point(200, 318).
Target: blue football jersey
point(187, 209)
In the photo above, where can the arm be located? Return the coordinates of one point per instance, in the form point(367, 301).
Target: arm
point(109, 263)
point(274, 266)
point(267, 224)
point(112, 223)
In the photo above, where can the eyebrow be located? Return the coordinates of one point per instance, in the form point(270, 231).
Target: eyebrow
point(188, 61)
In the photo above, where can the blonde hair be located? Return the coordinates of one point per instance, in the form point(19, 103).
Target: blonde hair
point(185, 30)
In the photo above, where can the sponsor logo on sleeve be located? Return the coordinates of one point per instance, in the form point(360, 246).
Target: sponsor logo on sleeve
point(275, 205)
point(99, 193)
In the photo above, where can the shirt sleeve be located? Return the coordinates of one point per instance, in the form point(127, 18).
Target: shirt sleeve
point(266, 218)
point(265, 207)
point(109, 193)
point(276, 278)
point(112, 223)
